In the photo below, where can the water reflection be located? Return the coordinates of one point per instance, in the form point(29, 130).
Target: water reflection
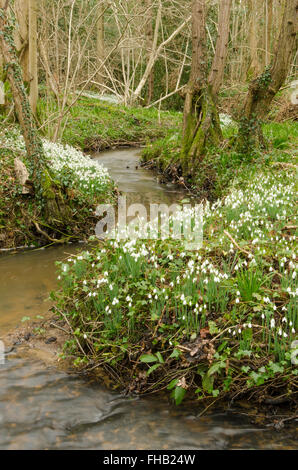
point(25, 282)
point(136, 183)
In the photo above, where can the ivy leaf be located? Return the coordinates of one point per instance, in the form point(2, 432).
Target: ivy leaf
point(216, 368)
point(276, 367)
point(175, 354)
point(212, 327)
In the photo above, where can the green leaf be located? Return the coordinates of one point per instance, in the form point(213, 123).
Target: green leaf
point(172, 384)
point(222, 346)
point(153, 368)
point(25, 319)
point(212, 327)
point(160, 358)
point(175, 354)
point(179, 394)
point(258, 308)
point(147, 358)
point(207, 383)
point(276, 367)
point(216, 368)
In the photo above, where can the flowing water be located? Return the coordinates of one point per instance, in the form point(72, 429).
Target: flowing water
point(42, 408)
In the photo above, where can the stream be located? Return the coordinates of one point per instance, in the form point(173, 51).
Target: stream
point(44, 408)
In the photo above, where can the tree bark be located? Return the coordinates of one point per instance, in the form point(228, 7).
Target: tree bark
point(45, 188)
point(255, 66)
point(100, 42)
point(201, 125)
point(33, 69)
point(149, 32)
point(263, 89)
point(219, 61)
point(22, 35)
point(269, 21)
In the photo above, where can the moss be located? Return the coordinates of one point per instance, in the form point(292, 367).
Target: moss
point(202, 129)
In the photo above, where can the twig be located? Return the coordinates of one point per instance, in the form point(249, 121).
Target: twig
point(72, 332)
point(59, 328)
point(236, 244)
point(53, 240)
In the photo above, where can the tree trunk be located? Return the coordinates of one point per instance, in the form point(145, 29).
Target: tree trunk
point(33, 70)
point(201, 125)
point(22, 36)
point(149, 46)
point(26, 45)
point(263, 89)
point(219, 61)
point(45, 188)
point(269, 21)
point(255, 67)
point(100, 42)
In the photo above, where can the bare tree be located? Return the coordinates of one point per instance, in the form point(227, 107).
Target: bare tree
point(201, 121)
point(263, 89)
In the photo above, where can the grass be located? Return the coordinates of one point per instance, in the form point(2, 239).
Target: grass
point(94, 125)
point(221, 164)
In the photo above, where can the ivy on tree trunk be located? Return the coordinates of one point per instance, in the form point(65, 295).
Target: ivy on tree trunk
point(263, 89)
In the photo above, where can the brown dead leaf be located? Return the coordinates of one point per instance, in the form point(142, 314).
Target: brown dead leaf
point(204, 332)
